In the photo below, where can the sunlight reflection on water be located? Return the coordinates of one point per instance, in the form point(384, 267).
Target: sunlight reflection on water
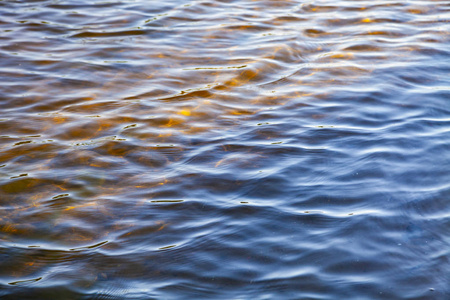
point(224, 149)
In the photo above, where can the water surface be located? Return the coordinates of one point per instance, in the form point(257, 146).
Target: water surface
point(224, 149)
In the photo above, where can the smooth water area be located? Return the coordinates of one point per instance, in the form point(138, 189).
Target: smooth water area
point(220, 149)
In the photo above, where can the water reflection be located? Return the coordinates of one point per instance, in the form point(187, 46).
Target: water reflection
point(224, 149)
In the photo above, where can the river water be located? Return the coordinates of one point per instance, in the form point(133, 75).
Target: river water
point(225, 149)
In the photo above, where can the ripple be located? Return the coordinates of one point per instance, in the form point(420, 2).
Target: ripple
point(224, 149)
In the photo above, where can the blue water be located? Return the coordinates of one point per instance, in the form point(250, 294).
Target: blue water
point(224, 149)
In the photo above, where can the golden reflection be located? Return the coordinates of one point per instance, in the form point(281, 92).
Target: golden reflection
point(80, 206)
point(185, 112)
point(99, 125)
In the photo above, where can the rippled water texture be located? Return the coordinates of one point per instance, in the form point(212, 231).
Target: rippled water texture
point(224, 149)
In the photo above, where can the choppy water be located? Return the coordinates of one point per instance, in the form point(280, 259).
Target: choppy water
point(224, 149)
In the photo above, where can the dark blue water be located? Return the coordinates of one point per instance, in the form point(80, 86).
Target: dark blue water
point(224, 149)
